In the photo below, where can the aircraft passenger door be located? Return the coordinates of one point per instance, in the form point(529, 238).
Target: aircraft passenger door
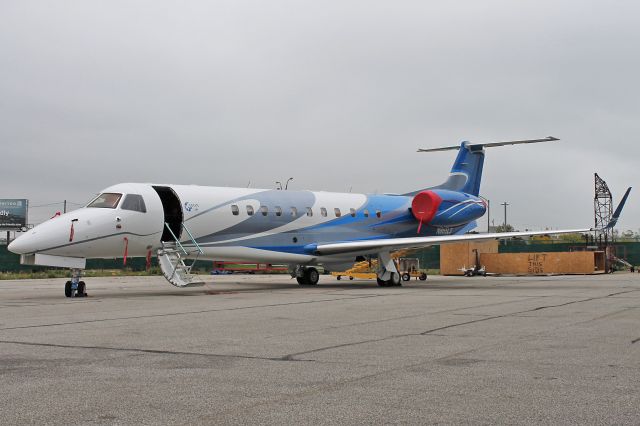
point(173, 215)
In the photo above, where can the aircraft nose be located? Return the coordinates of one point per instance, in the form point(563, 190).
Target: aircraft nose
point(19, 245)
point(12, 246)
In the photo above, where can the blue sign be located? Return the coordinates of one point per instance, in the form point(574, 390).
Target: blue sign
point(13, 214)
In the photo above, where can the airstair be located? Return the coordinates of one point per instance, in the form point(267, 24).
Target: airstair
point(171, 258)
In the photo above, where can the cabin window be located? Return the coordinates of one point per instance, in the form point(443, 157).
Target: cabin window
point(264, 210)
point(337, 212)
point(366, 213)
point(309, 212)
point(353, 212)
point(294, 212)
point(108, 200)
point(134, 202)
point(278, 210)
point(250, 210)
point(378, 213)
point(323, 211)
point(235, 210)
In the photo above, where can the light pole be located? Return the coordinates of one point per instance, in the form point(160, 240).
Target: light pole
point(286, 186)
point(505, 204)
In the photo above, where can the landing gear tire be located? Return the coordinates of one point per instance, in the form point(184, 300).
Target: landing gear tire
point(339, 277)
point(382, 283)
point(67, 289)
point(394, 281)
point(423, 276)
point(311, 277)
point(81, 289)
point(406, 277)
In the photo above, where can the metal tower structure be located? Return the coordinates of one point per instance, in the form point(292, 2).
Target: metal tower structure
point(603, 208)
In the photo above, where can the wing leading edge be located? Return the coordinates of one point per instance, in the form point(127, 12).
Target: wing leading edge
point(372, 246)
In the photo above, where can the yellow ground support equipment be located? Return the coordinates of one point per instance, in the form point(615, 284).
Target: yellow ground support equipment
point(365, 270)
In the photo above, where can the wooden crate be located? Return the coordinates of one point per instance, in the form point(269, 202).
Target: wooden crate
point(579, 262)
point(454, 257)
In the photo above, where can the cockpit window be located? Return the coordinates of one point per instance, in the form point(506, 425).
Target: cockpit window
point(134, 202)
point(108, 200)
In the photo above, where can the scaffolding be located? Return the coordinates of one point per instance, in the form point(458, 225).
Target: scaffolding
point(603, 233)
point(603, 208)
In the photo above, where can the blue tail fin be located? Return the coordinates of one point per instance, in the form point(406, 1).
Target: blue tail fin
point(466, 172)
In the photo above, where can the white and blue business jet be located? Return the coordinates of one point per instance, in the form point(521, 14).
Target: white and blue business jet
point(303, 229)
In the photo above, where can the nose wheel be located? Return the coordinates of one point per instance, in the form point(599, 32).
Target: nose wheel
point(75, 287)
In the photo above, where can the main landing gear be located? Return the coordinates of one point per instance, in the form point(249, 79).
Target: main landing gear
point(393, 281)
point(388, 275)
point(75, 287)
point(306, 276)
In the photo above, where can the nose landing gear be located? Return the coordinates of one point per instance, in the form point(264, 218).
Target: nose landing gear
point(75, 287)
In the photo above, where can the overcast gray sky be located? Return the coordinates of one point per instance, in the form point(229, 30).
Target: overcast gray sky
point(337, 94)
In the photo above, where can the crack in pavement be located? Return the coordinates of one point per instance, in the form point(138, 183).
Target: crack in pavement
point(190, 312)
point(288, 357)
point(355, 324)
point(346, 297)
point(147, 351)
point(292, 357)
point(340, 383)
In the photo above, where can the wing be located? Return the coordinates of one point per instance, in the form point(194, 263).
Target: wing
point(373, 246)
point(616, 214)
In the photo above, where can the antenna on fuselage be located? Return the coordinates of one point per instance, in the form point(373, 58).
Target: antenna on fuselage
point(473, 146)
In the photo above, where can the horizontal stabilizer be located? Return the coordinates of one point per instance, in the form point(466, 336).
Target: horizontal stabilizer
point(489, 145)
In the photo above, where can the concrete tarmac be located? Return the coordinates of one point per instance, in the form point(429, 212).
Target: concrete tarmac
point(261, 349)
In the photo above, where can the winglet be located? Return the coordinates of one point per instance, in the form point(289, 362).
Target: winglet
point(616, 214)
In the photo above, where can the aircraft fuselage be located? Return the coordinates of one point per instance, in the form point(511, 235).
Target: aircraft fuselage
point(239, 224)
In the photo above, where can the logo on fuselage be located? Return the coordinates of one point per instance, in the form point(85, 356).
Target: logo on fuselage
point(191, 207)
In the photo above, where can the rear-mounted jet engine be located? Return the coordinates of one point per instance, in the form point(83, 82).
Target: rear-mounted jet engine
point(443, 208)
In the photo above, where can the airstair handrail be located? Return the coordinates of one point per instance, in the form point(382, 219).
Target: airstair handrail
point(176, 238)
point(193, 240)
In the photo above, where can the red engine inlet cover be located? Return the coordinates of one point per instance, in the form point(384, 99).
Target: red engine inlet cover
point(424, 206)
